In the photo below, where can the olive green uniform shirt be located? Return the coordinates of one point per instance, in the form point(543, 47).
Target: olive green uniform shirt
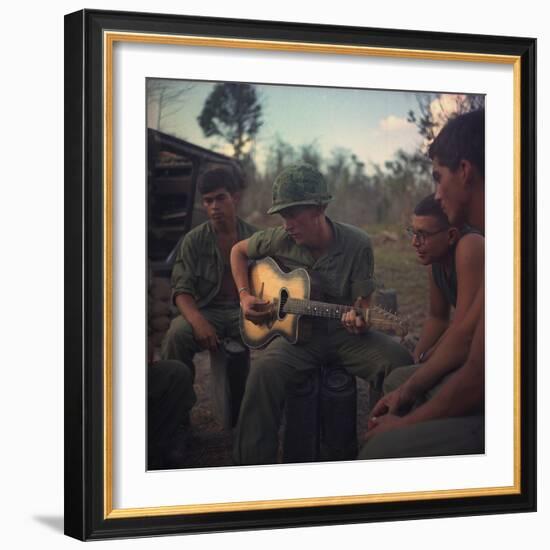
point(345, 273)
point(199, 266)
point(346, 270)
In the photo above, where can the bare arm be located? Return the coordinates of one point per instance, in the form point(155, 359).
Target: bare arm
point(452, 349)
point(239, 269)
point(470, 265)
point(454, 352)
point(239, 264)
point(464, 392)
point(449, 354)
point(470, 269)
point(436, 323)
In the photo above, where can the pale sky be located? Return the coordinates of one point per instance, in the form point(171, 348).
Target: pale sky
point(370, 123)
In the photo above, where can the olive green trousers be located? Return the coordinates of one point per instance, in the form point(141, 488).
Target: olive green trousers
point(170, 397)
point(179, 342)
point(441, 437)
point(280, 364)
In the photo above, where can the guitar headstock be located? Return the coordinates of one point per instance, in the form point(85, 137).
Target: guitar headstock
point(379, 318)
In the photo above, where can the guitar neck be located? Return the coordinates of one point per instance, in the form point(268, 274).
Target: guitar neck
point(316, 309)
point(375, 317)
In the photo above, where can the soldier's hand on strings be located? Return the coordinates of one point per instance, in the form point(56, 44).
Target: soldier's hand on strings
point(255, 309)
point(205, 334)
point(354, 322)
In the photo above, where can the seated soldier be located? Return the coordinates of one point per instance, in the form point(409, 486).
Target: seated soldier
point(170, 397)
point(457, 261)
point(452, 420)
point(202, 286)
point(341, 255)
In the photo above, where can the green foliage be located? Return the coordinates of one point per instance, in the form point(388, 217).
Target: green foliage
point(280, 155)
point(233, 112)
point(387, 195)
point(339, 169)
point(311, 154)
point(380, 195)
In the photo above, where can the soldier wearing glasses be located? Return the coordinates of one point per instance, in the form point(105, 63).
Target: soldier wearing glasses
point(456, 260)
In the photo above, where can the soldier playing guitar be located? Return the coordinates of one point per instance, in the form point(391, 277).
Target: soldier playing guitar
point(342, 258)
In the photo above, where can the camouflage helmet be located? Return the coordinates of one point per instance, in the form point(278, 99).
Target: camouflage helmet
point(299, 184)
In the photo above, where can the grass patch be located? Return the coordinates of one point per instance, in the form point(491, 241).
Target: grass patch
point(396, 267)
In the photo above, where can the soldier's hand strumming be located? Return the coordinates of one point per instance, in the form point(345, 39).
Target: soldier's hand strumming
point(255, 309)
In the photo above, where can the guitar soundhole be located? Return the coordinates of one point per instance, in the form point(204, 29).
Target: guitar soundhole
point(283, 297)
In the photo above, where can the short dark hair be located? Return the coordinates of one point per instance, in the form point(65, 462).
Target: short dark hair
point(220, 177)
point(428, 206)
point(462, 138)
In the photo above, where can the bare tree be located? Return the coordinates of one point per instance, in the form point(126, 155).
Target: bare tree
point(436, 109)
point(167, 97)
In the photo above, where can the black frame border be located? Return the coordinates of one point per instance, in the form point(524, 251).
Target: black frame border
point(84, 486)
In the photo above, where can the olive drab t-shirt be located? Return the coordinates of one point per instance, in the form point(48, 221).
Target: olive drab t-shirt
point(346, 271)
point(447, 282)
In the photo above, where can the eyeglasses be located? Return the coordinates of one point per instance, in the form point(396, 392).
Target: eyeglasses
point(421, 236)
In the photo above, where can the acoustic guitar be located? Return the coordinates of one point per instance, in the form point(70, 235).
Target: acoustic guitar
point(290, 304)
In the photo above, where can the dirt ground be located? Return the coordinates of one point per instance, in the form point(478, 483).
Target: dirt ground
point(208, 444)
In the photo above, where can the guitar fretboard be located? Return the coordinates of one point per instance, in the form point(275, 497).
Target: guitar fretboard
point(315, 309)
point(375, 317)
